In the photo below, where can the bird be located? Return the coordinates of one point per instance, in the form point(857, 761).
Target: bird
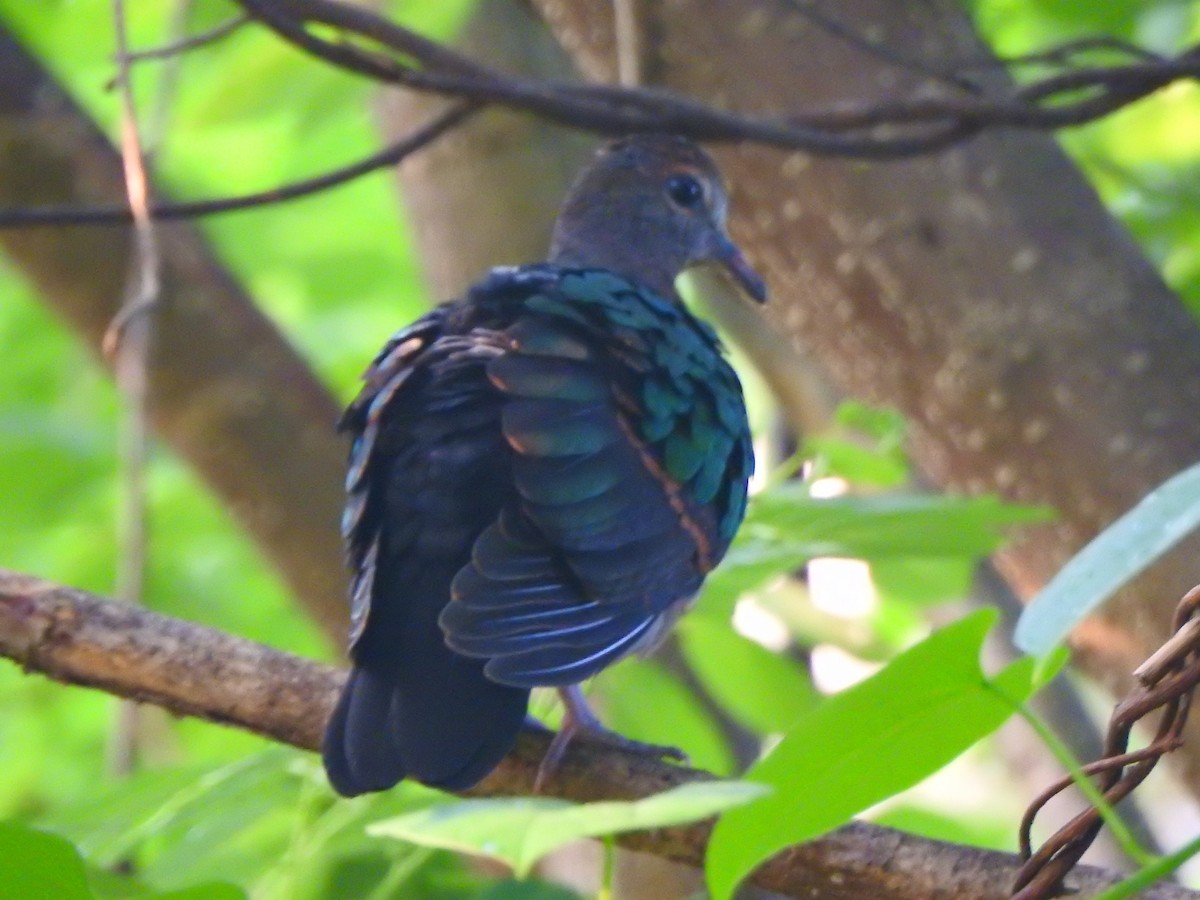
point(541, 474)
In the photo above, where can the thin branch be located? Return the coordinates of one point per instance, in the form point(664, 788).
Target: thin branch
point(596, 107)
point(376, 48)
point(113, 215)
point(137, 186)
point(127, 341)
point(81, 639)
point(192, 42)
point(1065, 54)
point(380, 50)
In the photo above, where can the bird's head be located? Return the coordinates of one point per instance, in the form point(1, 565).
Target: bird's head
point(648, 207)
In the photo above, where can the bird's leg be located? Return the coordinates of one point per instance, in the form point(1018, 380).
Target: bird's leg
point(579, 721)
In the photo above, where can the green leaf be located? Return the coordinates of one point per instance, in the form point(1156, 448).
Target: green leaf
point(521, 830)
point(884, 525)
point(923, 581)
point(1147, 875)
point(868, 743)
point(530, 889)
point(885, 425)
point(1163, 518)
point(109, 885)
point(857, 464)
point(866, 447)
point(785, 528)
point(762, 690)
point(37, 864)
point(210, 891)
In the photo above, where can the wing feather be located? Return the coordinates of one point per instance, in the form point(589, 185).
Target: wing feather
point(622, 435)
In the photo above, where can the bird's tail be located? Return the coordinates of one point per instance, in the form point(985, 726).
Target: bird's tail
point(427, 714)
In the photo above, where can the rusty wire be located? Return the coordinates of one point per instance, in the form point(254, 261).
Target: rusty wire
point(1166, 682)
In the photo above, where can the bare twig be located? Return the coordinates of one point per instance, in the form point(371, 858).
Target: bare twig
point(146, 278)
point(389, 156)
point(1066, 54)
point(127, 341)
point(192, 42)
point(189, 669)
point(1165, 682)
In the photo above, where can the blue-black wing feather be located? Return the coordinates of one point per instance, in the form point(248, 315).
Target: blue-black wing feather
point(630, 460)
point(427, 474)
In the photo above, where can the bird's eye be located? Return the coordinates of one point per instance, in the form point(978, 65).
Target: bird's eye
point(685, 191)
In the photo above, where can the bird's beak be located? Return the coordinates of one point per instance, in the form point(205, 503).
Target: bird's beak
point(725, 252)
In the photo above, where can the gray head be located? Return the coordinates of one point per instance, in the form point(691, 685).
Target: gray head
point(648, 207)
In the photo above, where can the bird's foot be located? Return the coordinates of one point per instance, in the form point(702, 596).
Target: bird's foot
point(580, 722)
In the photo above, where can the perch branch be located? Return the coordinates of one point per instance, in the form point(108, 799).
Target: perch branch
point(82, 639)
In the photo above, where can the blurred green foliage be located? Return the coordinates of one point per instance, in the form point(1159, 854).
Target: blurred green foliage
point(336, 273)
point(1144, 159)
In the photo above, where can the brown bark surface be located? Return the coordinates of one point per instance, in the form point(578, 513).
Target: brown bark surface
point(227, 391)
point(487, 194)
point(984, 291)
point(82, 639)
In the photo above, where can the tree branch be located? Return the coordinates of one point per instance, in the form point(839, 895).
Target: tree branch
point(388, 157)
point(82, 639)
point(376, 48)
point(192, 42)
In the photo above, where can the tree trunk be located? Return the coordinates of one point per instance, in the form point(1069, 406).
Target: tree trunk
point(985, 291)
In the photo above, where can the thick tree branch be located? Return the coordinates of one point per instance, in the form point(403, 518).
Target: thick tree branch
point(82, 639)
